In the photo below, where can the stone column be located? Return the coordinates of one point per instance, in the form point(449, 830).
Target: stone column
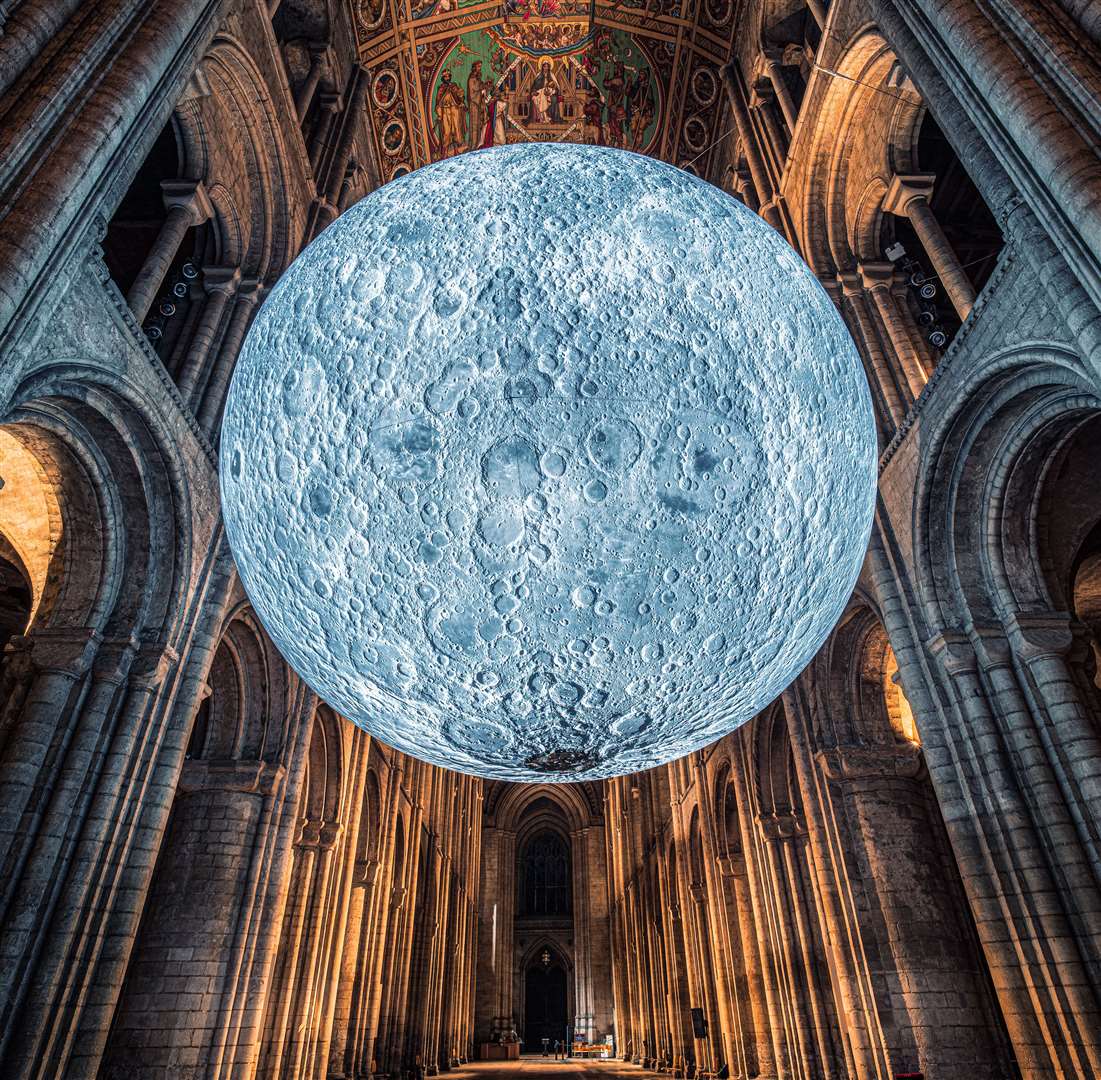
point(758, 1045)
point(778, 832)
point(908, 196)
point(852, 287)
point(743, 185)
point(770, 60)
point(60, 659)
point(364, 876)
point(1043, 643)
point(720, 929)
point(775, 1053)
point(339, 165)
point(330, 106)
point(761, 182)
point(1030, 942)
point(878, 279)
point(761, 104)
point(929, 955)
point(303, 96)
point(187, 205)
point(220, 284)
point(196, 909)
point(386, 904)
point(292, 945)
point(249, 295)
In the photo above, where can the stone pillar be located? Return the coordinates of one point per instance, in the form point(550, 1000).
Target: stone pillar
point(304, 95)
point(762, 104)
point(878, 279)
point(780, 833)
point(882, 794)
point(724, 978)
point(851, 980)
point(330, 106)
point(59, 659)
point(770, 60)
point(220, 284)
point(761, 182)
point(743, 185)
point(774, 1053)
point(852, 287)
point(351, 117)
point(249, 294)
point(187, 205)
point(758, 1043)
point(386, 901)
point(1033, 951)
point(908, 196)
point(171, 1011)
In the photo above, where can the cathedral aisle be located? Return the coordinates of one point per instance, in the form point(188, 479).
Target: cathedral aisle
point(587, 1068)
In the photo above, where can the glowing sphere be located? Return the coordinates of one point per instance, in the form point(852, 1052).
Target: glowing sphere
point(548, 462)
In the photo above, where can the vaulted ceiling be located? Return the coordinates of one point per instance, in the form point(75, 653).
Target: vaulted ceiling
point(448, 76)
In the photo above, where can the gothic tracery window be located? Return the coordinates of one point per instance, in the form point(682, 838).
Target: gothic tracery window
point(545, 876)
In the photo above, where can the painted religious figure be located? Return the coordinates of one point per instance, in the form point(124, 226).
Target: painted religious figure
point(489, 88)
point(479, 92)
point(450, 116)
point(546, 97)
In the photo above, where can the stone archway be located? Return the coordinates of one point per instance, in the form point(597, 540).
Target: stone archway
point(544, 884)
point(546, 1008)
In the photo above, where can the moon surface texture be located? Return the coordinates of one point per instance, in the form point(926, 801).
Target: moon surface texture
point(548, 462)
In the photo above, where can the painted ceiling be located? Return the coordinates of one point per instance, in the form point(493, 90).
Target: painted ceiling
point(448, 76)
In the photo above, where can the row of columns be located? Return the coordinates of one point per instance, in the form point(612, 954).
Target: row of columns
point(809, 903)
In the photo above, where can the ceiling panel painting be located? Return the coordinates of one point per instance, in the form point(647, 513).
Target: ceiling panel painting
point(450, 76)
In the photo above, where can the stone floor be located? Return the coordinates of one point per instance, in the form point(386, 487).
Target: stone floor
point(589, 1068)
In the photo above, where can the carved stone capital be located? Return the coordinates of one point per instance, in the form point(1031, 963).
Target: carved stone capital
point(191, 196)
point(896, 761)
point(954, 652)
point(903, 190)
point(877, 275)
point(852, 283)
point(991, 647)
point(783, 826)
point(67, 652)
point(365, 872)
point(228, 774)
point(1035, 636)
point(221, 279)
point(152, 663)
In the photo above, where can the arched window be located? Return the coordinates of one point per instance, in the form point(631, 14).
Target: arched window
point(545, 875)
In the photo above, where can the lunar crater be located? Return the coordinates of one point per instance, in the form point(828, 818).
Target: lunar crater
point(541, 492)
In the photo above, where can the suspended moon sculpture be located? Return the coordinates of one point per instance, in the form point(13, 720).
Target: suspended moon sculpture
point(548, 462)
